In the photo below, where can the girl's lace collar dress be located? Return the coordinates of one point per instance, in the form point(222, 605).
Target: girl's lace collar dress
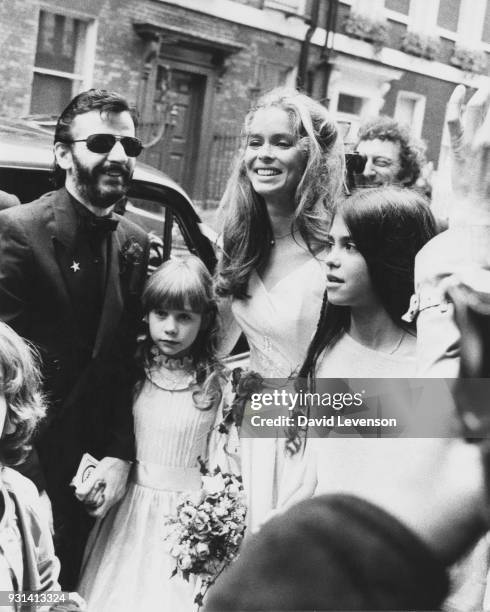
point(171, 374)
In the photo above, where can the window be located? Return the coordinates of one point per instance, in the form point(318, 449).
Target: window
point(486, 25)
point(58, 65)
point(448, 14)
point(348, 111)
point(292, 7)
point(272, 73)
point(151, 216)
point(409, 110)
point(351, 105)
point(399, 6)
point(474, 25)
point(373, 8)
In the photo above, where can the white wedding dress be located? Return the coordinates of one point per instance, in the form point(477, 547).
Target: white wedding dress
point(278, 323)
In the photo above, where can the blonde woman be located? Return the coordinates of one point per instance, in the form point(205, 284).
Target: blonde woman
point(276, 212)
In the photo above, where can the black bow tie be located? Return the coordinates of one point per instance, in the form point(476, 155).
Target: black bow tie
point(99, 225)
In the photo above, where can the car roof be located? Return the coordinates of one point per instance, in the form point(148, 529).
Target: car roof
point(26, 145)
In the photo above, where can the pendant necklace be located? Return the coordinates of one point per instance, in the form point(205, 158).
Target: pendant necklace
point(398, 344)
point(276, 238)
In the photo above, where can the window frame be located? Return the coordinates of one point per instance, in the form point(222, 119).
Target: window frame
point(286, 6)
point(425, 21)
point(82, 79)
point(417, 122)
point(350, 120)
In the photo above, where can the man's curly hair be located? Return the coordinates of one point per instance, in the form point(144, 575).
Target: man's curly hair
point(412, 151)
point(20, 384)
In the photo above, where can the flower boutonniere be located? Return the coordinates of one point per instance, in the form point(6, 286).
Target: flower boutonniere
point(131, 254)
point(244, 384)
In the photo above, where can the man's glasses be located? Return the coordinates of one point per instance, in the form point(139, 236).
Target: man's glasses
point(103, 143)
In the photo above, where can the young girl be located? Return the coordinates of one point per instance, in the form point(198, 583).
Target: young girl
point(373, 239)
point(126, 566)
point(27, 560)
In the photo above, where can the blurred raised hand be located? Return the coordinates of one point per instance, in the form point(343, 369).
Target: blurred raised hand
point(465, 246)
point(467, 241)
point(469, 130)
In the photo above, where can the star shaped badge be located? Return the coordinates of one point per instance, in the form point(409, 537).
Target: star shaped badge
point(75, 266)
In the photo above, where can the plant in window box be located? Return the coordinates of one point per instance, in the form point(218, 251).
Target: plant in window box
point(420, 45)
point(470, 60)
point(365, 28)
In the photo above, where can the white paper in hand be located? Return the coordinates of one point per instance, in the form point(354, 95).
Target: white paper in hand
point(85, 469)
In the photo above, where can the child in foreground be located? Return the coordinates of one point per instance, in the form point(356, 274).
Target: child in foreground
point(127, 566)
point(27, 559)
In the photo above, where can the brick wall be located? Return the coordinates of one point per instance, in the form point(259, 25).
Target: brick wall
point(437, 94)
point(18, 37)
point(343, 12)
point(263, 61)
point(446, 50)
point(265, 58)
point(119, 50)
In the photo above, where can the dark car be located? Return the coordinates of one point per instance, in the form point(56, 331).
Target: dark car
point(156, 202)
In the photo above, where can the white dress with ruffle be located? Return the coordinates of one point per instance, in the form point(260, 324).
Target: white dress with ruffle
point(126, 565)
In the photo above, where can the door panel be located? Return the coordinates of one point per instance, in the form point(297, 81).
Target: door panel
point(182, 143)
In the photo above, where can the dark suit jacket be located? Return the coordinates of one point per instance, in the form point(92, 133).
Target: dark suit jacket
point(88, 391)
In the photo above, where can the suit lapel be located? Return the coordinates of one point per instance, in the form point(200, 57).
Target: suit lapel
point(63, 231)
point(62, 227)
point(113, 300)
point(65, 218)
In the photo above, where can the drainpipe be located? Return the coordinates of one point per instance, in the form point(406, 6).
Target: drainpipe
point(324, 65)
point(302, 80)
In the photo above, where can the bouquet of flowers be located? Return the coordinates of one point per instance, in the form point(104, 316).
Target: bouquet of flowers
point(207, 532)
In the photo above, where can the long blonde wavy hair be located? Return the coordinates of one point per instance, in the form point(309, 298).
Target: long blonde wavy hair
point(246, 228)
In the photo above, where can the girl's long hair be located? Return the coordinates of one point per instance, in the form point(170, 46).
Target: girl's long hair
point(20, 384)
point(246, 227)
point(185, 284)
point(389, 225)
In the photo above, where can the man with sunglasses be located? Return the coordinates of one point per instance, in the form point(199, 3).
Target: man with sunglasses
point(71, 274)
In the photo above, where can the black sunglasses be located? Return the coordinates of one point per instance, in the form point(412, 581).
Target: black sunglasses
point(103, 143)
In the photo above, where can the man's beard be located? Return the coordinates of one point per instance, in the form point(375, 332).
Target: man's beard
point(88, 185)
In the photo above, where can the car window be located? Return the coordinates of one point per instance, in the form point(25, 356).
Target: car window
point(26, 184)
point(152, 217)
point(30, 184)
point(168, 215)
